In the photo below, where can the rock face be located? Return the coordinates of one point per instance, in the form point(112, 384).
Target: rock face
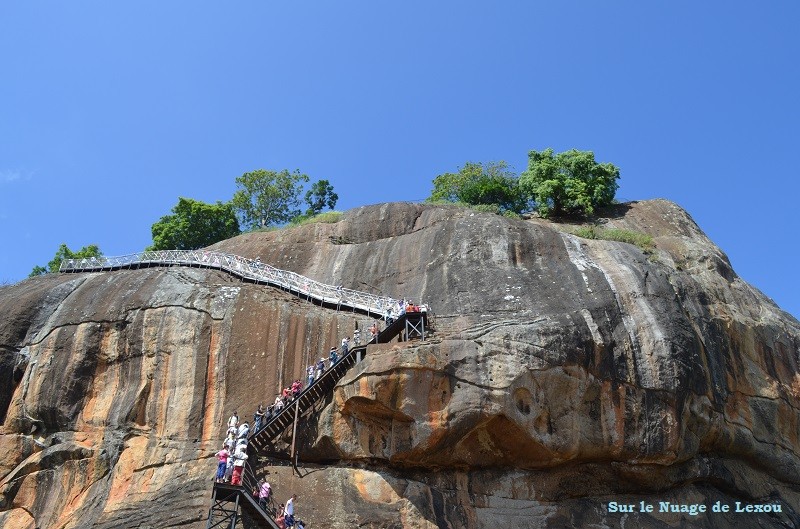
point(564, 374)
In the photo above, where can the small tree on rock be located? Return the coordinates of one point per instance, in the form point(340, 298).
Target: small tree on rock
point(491, 184)
point(320, 195)
point(266, 197)
point(568, 183)
point(64, 252)
point(194, 224)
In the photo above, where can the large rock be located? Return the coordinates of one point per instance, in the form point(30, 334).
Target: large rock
point(564, 374)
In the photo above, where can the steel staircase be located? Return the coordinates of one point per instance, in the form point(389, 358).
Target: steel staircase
point(263, 442)
point(260, 441)
point(231, 503)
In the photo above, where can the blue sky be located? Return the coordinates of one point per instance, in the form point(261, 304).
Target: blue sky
point(110, 112)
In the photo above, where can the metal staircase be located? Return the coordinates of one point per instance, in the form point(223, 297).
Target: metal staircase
point(407, 325)
point(232, 504)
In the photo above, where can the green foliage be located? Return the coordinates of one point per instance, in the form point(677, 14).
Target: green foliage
point(267, 198)
point(492, 184)
point(485, 208)
point(568, 183)
point(588, 232)
point(320, 195)
point(329, 217)
point(642, 240)
point(194, 224)
point(64, 252)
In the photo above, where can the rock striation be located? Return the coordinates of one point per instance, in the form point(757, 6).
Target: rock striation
point(564, 374)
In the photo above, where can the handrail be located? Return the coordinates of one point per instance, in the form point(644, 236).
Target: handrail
point(250, 483)
point(286, 409)
point(351, 358)
point(250, 269)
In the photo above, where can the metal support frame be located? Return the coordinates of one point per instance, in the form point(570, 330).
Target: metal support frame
point(225, 517)
point(417, 329)
point(293, 454)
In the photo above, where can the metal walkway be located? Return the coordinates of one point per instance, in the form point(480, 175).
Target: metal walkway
point(251, 270)
point(232, 506)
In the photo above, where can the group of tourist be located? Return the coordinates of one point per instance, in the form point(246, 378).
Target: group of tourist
point(231, 460)
point(291, 392)
point(402, 306)
point(233, 456)
point(317, 369)
point(285, 515)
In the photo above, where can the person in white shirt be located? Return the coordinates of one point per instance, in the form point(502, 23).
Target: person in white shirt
point(244, 429)
point(233, 422)
point(239, 459)
point(288, 511)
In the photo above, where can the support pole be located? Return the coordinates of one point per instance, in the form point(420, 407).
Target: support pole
point(211, 510)
point(235, 513)
point(293, 455)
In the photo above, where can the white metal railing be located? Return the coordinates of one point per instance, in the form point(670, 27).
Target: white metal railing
point(251, 269)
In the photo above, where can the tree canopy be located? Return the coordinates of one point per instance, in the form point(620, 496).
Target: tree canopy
point(194, 224)
point(320, 195)
point(568, 183)
point(491, 184)
point(64, 252)
point(266, 198)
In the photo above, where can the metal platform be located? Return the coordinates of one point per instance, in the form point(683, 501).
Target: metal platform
point(232, 506)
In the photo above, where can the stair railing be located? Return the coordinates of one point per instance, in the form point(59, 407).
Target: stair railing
point(249, 269)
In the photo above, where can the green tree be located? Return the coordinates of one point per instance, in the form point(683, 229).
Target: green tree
point(194, 224)
point(64, 252)
point(266, 197)
point(569, 183)
point(491, 184)
point(320, 195)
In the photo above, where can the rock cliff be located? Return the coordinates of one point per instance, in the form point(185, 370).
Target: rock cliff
point(564, 374)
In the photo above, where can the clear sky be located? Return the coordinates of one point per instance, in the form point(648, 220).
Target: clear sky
point(110, 112)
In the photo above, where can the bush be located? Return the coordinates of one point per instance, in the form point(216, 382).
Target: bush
point(64, 252)
point(485, 208)
point(477, 184)
point(642, 240)
point(329, 217)
point(194, 224)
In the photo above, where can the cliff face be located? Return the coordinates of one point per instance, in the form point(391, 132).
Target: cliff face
point(564, 374)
